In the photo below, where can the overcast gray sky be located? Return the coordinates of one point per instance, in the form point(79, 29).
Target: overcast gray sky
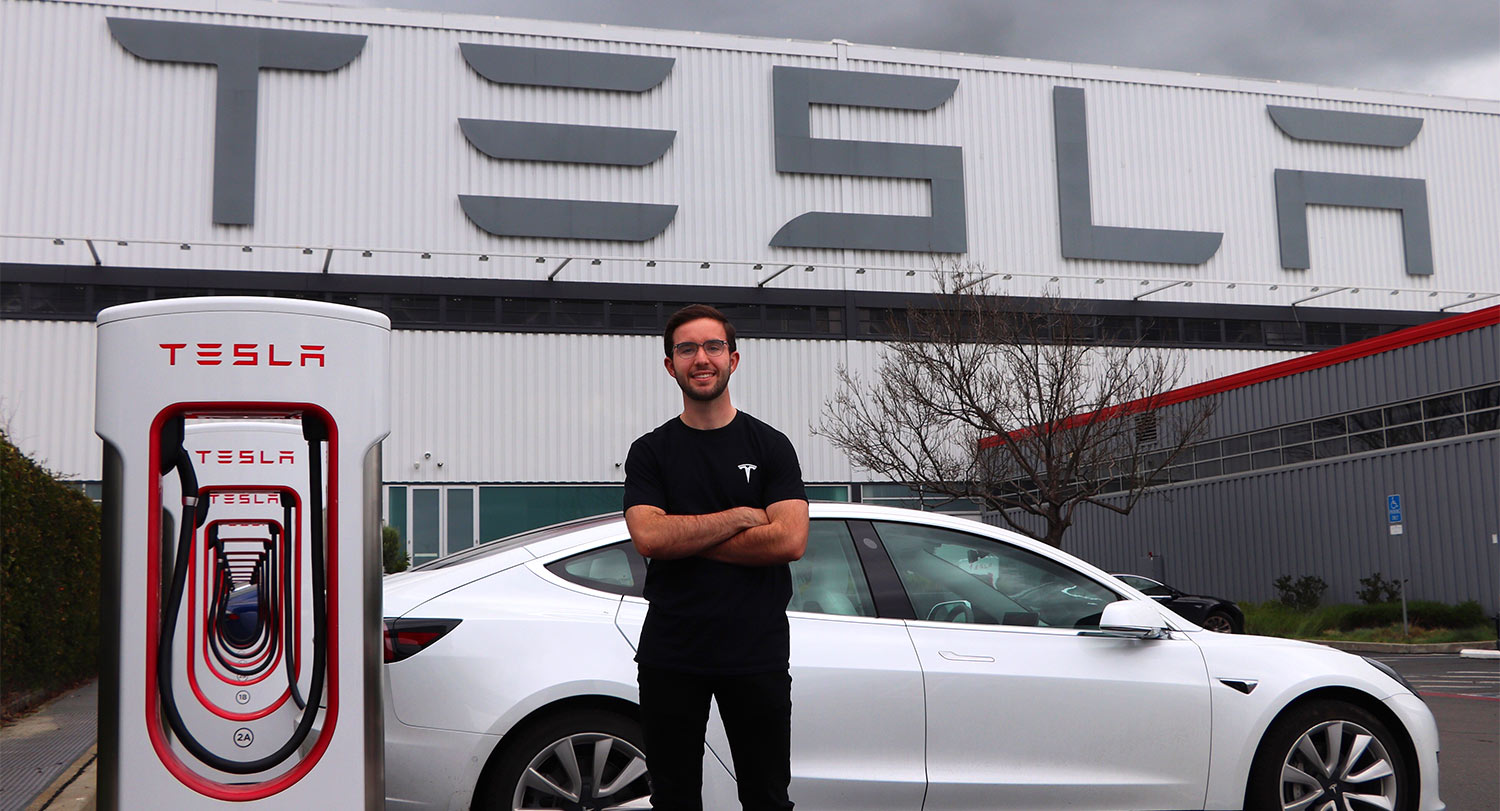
point(1447, 47)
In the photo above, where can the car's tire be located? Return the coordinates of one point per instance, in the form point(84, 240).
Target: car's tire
point(1291, 767)
point(608, 768)
point(1219, 620)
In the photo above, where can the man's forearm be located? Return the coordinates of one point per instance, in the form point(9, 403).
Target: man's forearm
point(769, 545)
point(669, 537)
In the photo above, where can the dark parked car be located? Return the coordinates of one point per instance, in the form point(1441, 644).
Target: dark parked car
point(1213, 613)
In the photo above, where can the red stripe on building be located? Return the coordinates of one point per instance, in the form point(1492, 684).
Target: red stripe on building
point(1411, 336)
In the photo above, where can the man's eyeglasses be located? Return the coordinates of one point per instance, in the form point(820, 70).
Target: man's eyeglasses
point(689, 349)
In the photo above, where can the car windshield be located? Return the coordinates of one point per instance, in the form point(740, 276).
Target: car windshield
point(520, 539)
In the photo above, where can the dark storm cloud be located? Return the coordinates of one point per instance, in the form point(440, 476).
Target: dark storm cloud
point(1395, 44)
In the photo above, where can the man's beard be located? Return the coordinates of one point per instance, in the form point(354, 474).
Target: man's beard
point(686, 384)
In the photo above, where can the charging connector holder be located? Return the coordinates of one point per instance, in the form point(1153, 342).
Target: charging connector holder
point(163, 722)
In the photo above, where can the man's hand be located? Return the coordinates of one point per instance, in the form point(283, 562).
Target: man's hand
point(668, 537)
point(782, 540)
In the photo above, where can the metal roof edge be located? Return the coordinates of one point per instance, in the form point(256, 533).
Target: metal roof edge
point(1400, 339)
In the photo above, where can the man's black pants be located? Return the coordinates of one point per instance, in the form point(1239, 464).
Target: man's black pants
point(757, 714)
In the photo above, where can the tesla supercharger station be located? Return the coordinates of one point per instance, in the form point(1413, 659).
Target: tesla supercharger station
point(242, 553)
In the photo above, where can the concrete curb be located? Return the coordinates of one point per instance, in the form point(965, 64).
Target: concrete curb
point(1396, 647)
point(1479, 653)
point(76, 789)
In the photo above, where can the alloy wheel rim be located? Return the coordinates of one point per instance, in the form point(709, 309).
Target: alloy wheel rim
point(1338, 766)
point(589, 771)
point(1218, 624)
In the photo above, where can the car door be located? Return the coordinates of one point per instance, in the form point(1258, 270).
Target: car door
point(1024, 708)
point(857, 705)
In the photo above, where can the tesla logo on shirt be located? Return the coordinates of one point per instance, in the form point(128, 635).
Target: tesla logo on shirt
point(747, 468)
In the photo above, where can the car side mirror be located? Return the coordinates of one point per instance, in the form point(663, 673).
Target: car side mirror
point(1134, 619)
point(952, 611)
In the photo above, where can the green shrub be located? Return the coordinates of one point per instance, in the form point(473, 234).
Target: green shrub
point(1274, 618)
point(1378, 590)
point(49, 577)
point(1423, 613)
point(393, 550)
point(1304, 594)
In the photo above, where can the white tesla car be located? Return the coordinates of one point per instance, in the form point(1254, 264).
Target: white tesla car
point(937, 663)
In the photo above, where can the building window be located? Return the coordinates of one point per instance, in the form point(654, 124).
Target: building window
point(1443, 416)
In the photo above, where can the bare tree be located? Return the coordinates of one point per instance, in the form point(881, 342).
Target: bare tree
point(1015, 405)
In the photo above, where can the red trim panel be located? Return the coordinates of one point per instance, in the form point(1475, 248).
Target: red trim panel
point(238, 792)
point(1411, 336)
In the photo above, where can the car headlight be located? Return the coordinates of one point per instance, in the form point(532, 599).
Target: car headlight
point(1391, 671)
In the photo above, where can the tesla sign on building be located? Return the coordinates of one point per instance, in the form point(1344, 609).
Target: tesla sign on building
point(658, 145)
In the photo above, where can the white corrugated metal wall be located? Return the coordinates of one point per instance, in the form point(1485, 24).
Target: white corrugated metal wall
point(497, 407)
point(114, 148)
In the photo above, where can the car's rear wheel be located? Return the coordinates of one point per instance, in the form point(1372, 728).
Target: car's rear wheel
point(1329, 754)
point(1219, 621)
point(586, 760)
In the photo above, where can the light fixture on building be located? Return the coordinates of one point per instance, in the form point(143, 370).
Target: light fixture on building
point(1356, 290)
point(1393, 292)
point(809, 268)
point(56, 241)
point(1007, 277)
point(650, 263)
point(1275, 287)
point(1098, 281)
point(595, 262)
point(911, 273)
point(366, 254)
point(1187, 284)
point(426, 255)
point(703, 266)
point(1053, 279)
point(307, 251)
point(1231, 286)
point(541, 260)
point(758, 266)
point(859, 271)
point(184, 247)
point(122, 243)
point(1433, 294)
point(1315, 289)
point(484, 257)
point(245, 249)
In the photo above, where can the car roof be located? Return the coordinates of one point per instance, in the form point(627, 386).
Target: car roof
point(584, 532)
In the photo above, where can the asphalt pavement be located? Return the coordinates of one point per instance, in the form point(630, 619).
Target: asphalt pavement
point(40, 749)
point(1464, 696)
point(45, 763)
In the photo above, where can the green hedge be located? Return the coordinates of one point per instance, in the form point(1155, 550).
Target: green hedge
point(1418, 612)
point(49, 578)
point(1272, 618)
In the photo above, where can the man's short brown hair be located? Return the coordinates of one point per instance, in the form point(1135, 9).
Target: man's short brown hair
point(693, 312)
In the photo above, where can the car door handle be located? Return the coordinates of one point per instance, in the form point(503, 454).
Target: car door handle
point(964, 657)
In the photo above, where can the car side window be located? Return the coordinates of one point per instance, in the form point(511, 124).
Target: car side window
point(1146, 586)
point(617, 569)
point(957, 577)
point(828, 579)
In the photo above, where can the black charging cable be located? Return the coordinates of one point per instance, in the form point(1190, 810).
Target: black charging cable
point(174, 455)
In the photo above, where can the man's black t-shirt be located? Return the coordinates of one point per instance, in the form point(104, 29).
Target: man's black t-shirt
point(707, 616)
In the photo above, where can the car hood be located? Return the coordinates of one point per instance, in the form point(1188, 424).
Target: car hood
point(1291, 666)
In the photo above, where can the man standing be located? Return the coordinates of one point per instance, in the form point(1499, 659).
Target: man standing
point(714, 500)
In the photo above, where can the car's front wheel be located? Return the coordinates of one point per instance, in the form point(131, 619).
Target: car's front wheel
point(576, 759)
point(1329, 754)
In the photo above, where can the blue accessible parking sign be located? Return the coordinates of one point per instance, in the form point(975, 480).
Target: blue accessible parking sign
point(1393, 508)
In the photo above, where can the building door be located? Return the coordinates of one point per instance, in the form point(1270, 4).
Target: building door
point(443, 521)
